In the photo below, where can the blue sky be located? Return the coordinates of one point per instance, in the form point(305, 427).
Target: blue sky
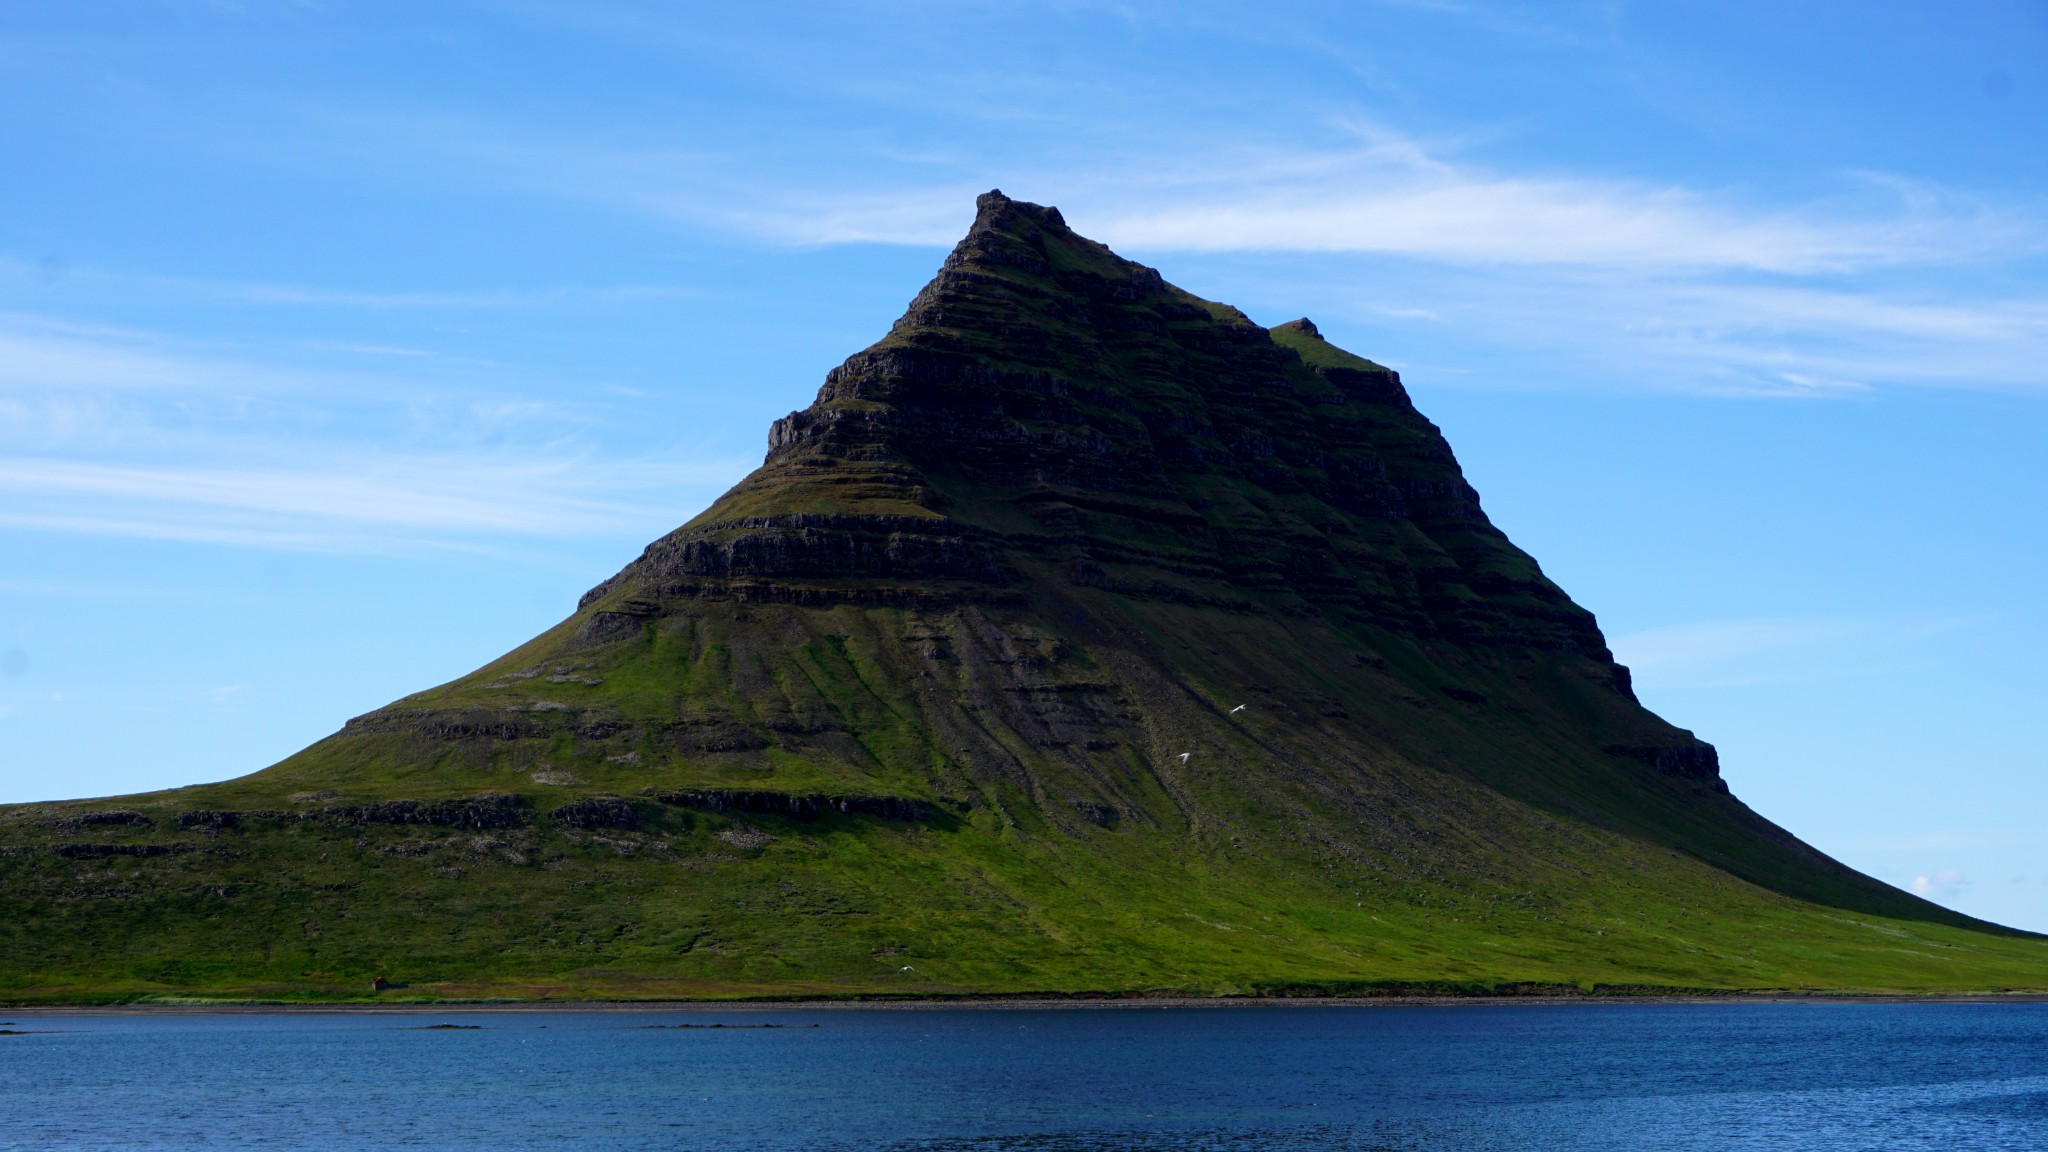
point(342, 345)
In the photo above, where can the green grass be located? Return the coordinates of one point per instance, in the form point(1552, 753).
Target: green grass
point(843, 906)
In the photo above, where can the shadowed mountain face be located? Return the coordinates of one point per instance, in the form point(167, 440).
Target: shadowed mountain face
point(1082, 635)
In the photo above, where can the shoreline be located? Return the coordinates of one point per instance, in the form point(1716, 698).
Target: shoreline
point(1022, 1003)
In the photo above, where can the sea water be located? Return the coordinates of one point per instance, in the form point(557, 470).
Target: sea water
point(1779, 1076)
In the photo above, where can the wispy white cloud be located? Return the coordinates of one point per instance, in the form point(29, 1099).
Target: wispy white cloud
point(1942, 885)
point(120, 432)
point(370, 503)
point(1627, 282)
point(1727, 653)
point(43, 352)
point(1394, 194)
point(1611, 331)
point(229, 291)
point(226, 697)
point(1375, 190)
point(1467, 217)
point(1711, 643)
point(1811, 339)
point(457, 493)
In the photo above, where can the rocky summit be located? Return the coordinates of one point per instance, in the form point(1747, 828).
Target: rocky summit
point(1082, 637)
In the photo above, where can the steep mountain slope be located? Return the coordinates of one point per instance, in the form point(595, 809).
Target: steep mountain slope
point(1082, 636)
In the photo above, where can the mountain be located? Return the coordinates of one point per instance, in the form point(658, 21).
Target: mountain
point(1082, 637)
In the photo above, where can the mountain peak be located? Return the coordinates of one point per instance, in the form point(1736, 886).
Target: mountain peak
point(1043, 405)
point(995, 210)
point(1076, 625)
point(1012, 238)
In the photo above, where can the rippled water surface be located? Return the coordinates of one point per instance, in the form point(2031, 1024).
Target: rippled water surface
point(1767, 1076)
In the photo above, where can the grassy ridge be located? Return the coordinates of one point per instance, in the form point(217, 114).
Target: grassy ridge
point(849, 906)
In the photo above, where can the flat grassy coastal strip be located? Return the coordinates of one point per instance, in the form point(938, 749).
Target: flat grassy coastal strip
point(1082, 639)
point(691, 905)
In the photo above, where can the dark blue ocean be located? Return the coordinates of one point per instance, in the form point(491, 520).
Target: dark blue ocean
point(1550, 1077)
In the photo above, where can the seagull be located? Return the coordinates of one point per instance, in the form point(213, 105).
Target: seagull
point(906, 968)
point(1184, 756)
point(1236, 710)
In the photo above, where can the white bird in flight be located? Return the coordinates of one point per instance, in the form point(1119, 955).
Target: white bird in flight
point(1184, 756)
point(1236, 710)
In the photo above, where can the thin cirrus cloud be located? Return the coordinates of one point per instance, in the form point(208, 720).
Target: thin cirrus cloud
point(336, 505)
point(42, 352)
point(344, 504)
point(1394, 196)
point(118, 432)
point(61, 377)
point(1683, 647)
point(1724, 337)
point(1645, 284)
point(1649, 285)
point(115, 283)
point(1766, 342)
point(430, 493)
point(1728, 653)
point(1525, 221)
point(1382, 192)
point(1453, 217)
